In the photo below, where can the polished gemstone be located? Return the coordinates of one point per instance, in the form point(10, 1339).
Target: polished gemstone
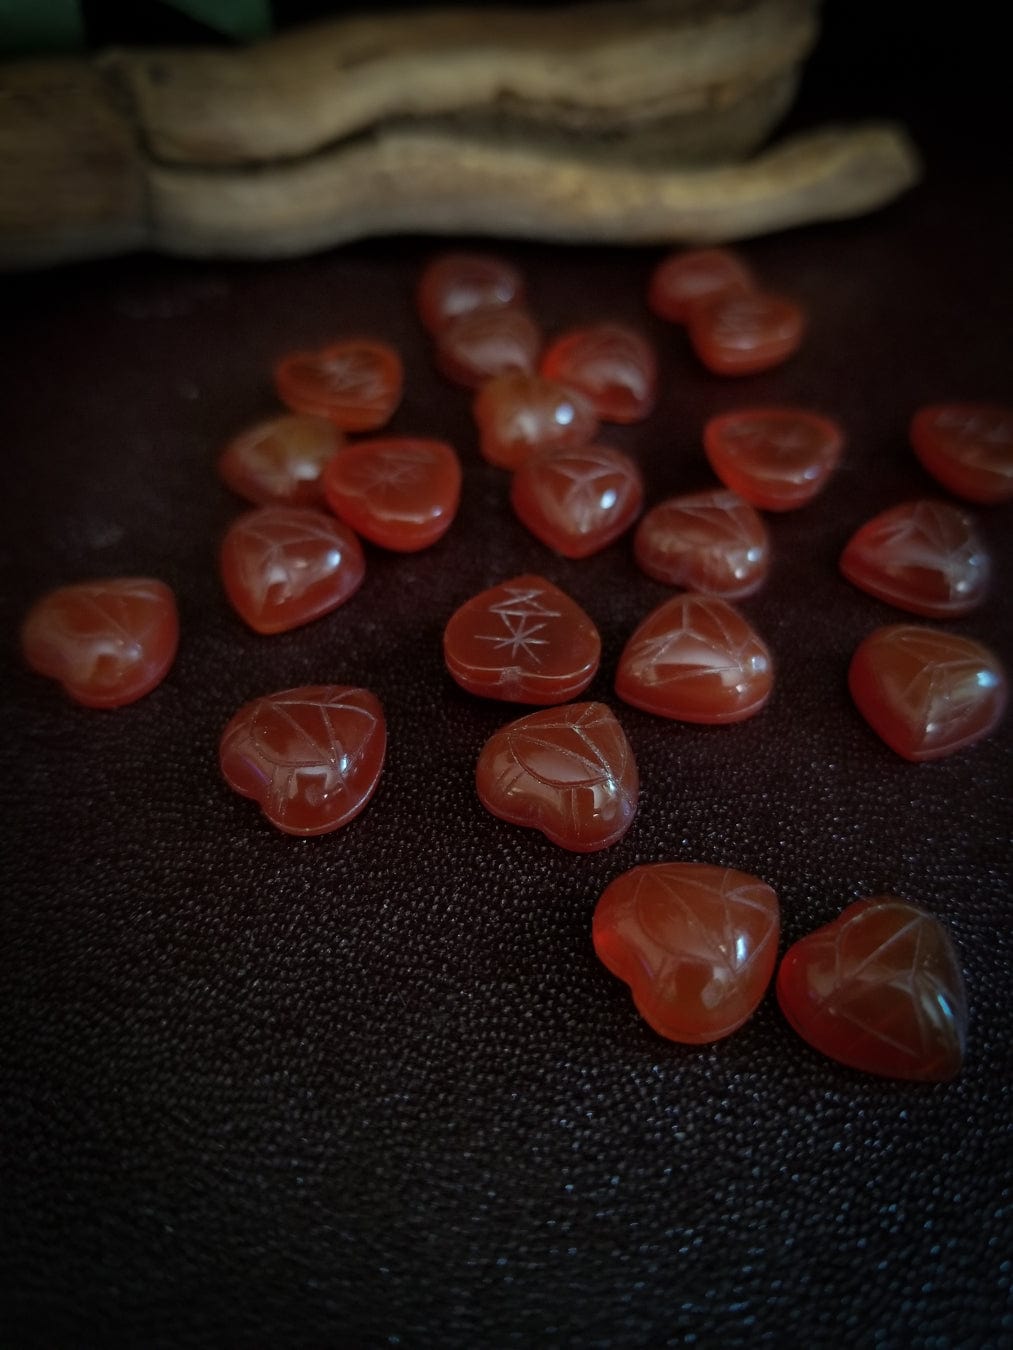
point(777, 458)
point(923, 556)
point(281, 460)
point(705, 541)
point(401, 493)
point(478, 346)
point(696, 944)
point(880, 990)
point(696, 659)
point(968, 447)
point(744, 333)
point(683, 281)
point(458, 283)
point(518, 414)
point(578, 501)
point(356, 384)
point(925, 692)
point(614, 366)
point(285, 565)
point(107, 642)
point(524, 640)
point(566, 771)
point(310, 757)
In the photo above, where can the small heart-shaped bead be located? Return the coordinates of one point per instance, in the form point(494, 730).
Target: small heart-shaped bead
point(683, 281)
point(705, 541)
point(566, 771)
point(578, 501)
point(744, 332)
point(880, 990)
point(524, 640)
point(356, 383)
point(968, 447)
point(696, 659)
point(518, 414)
point(925, 692)
point(612, 365)
point(401, 493)
point(281, 460)
point(696, 944)
point(776, 458)
point(485, 343)
point(923, 556)
point(311, 757)
point(459, 283)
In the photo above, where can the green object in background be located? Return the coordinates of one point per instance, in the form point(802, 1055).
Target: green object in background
point(244, 19)
point(39, 26)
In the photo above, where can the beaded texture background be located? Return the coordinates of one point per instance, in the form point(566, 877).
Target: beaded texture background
point(375, 1089)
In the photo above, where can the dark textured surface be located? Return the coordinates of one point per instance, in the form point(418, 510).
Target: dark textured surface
point(375, 1089)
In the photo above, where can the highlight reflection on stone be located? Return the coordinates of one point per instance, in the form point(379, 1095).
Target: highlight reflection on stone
point(578, 501)
point(704, 541)
point(281, 460)
point(614, 366)
point(518, 414)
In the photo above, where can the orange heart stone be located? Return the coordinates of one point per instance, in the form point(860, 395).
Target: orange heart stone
point(107, 642)
point(744, 332)
point(696, 944)
point(485, 343)
point(704, 541)
point(683, 281)
point(281, 460)
point(566, 771)
point(458, 283)
point(925, 692)
point(880, 990)
point(285, 565)
point(524, 640)
point(777, 458)
point(311, 757)
point(968, 447)
point(356, 383)
point(696, 659)
point(922, 556)
point(578, 501)
point(401, 493)
point(611, 364)
point(518, 414)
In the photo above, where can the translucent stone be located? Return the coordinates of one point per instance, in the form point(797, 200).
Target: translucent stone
point(968, 447)
point(776, 458)
point(458, 283)
point(401, 493)
point(705, 541)
point(880, 990)
point(518, 414)
point(612, 365)
point(683, 281)
point(566, 771)
point(578, 501)
point(281, 460)
point(107, 642)
point(310, 757)
point(479, 346)
point(745, 333)
point(356, 384)
point(696, 944)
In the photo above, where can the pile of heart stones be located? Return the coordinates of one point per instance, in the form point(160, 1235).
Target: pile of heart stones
point(880, 988)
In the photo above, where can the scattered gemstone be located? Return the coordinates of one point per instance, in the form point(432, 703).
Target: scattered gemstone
point(310, 757)
point(518, 414)
point(927, 693)
point(880, 990)
point(477, 347)
point(612, 365)
point(705, 541)
point(745, 333)
point(401, 493)
point(524, 640)
point(285, 565)
point(578, 501)
point(776, 458)
point(696, 659)
point(356, 384)
point(683, 281)
point(968, 447)
point(458, 283)
point(566, 771)
point(107, 642)
point(696, 944)
point(923, 556)
point(281, 460)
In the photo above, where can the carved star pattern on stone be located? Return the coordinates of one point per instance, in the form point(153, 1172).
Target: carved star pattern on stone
point(388, 473)
point(525, 617)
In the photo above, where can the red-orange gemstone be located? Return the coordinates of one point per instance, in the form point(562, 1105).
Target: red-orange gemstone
point(578, 501)
point(458, 283)
point(880, 990)
point(524, 640)
point(922, 556)
point(518, 414)
point(478, 346)
point(567, 771)
point(968, 447)
point(107, 642)
point(696, 944)
point(356, 384)
point(744, 333)
point(696, 659)
point(611, 364)
point(400, 493)
point(683, 281)
point(925, 692)
point(777, 458)
point(311, 757)
point(285, 565)
point(705, 541)
point(281, 460)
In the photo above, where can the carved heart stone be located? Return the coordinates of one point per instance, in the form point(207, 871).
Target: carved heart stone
point(879, 989)
point(400, 492)
point(567, 771)
point(614, 366)
point(281, 460)
point(524, 640)
point(518, 414)
point(968, 447)
point(356, 383)
point(310, 757)
point(453, 284)
point(705, 541)
point(578, 501)
point(696, 944)
point(484, 343)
